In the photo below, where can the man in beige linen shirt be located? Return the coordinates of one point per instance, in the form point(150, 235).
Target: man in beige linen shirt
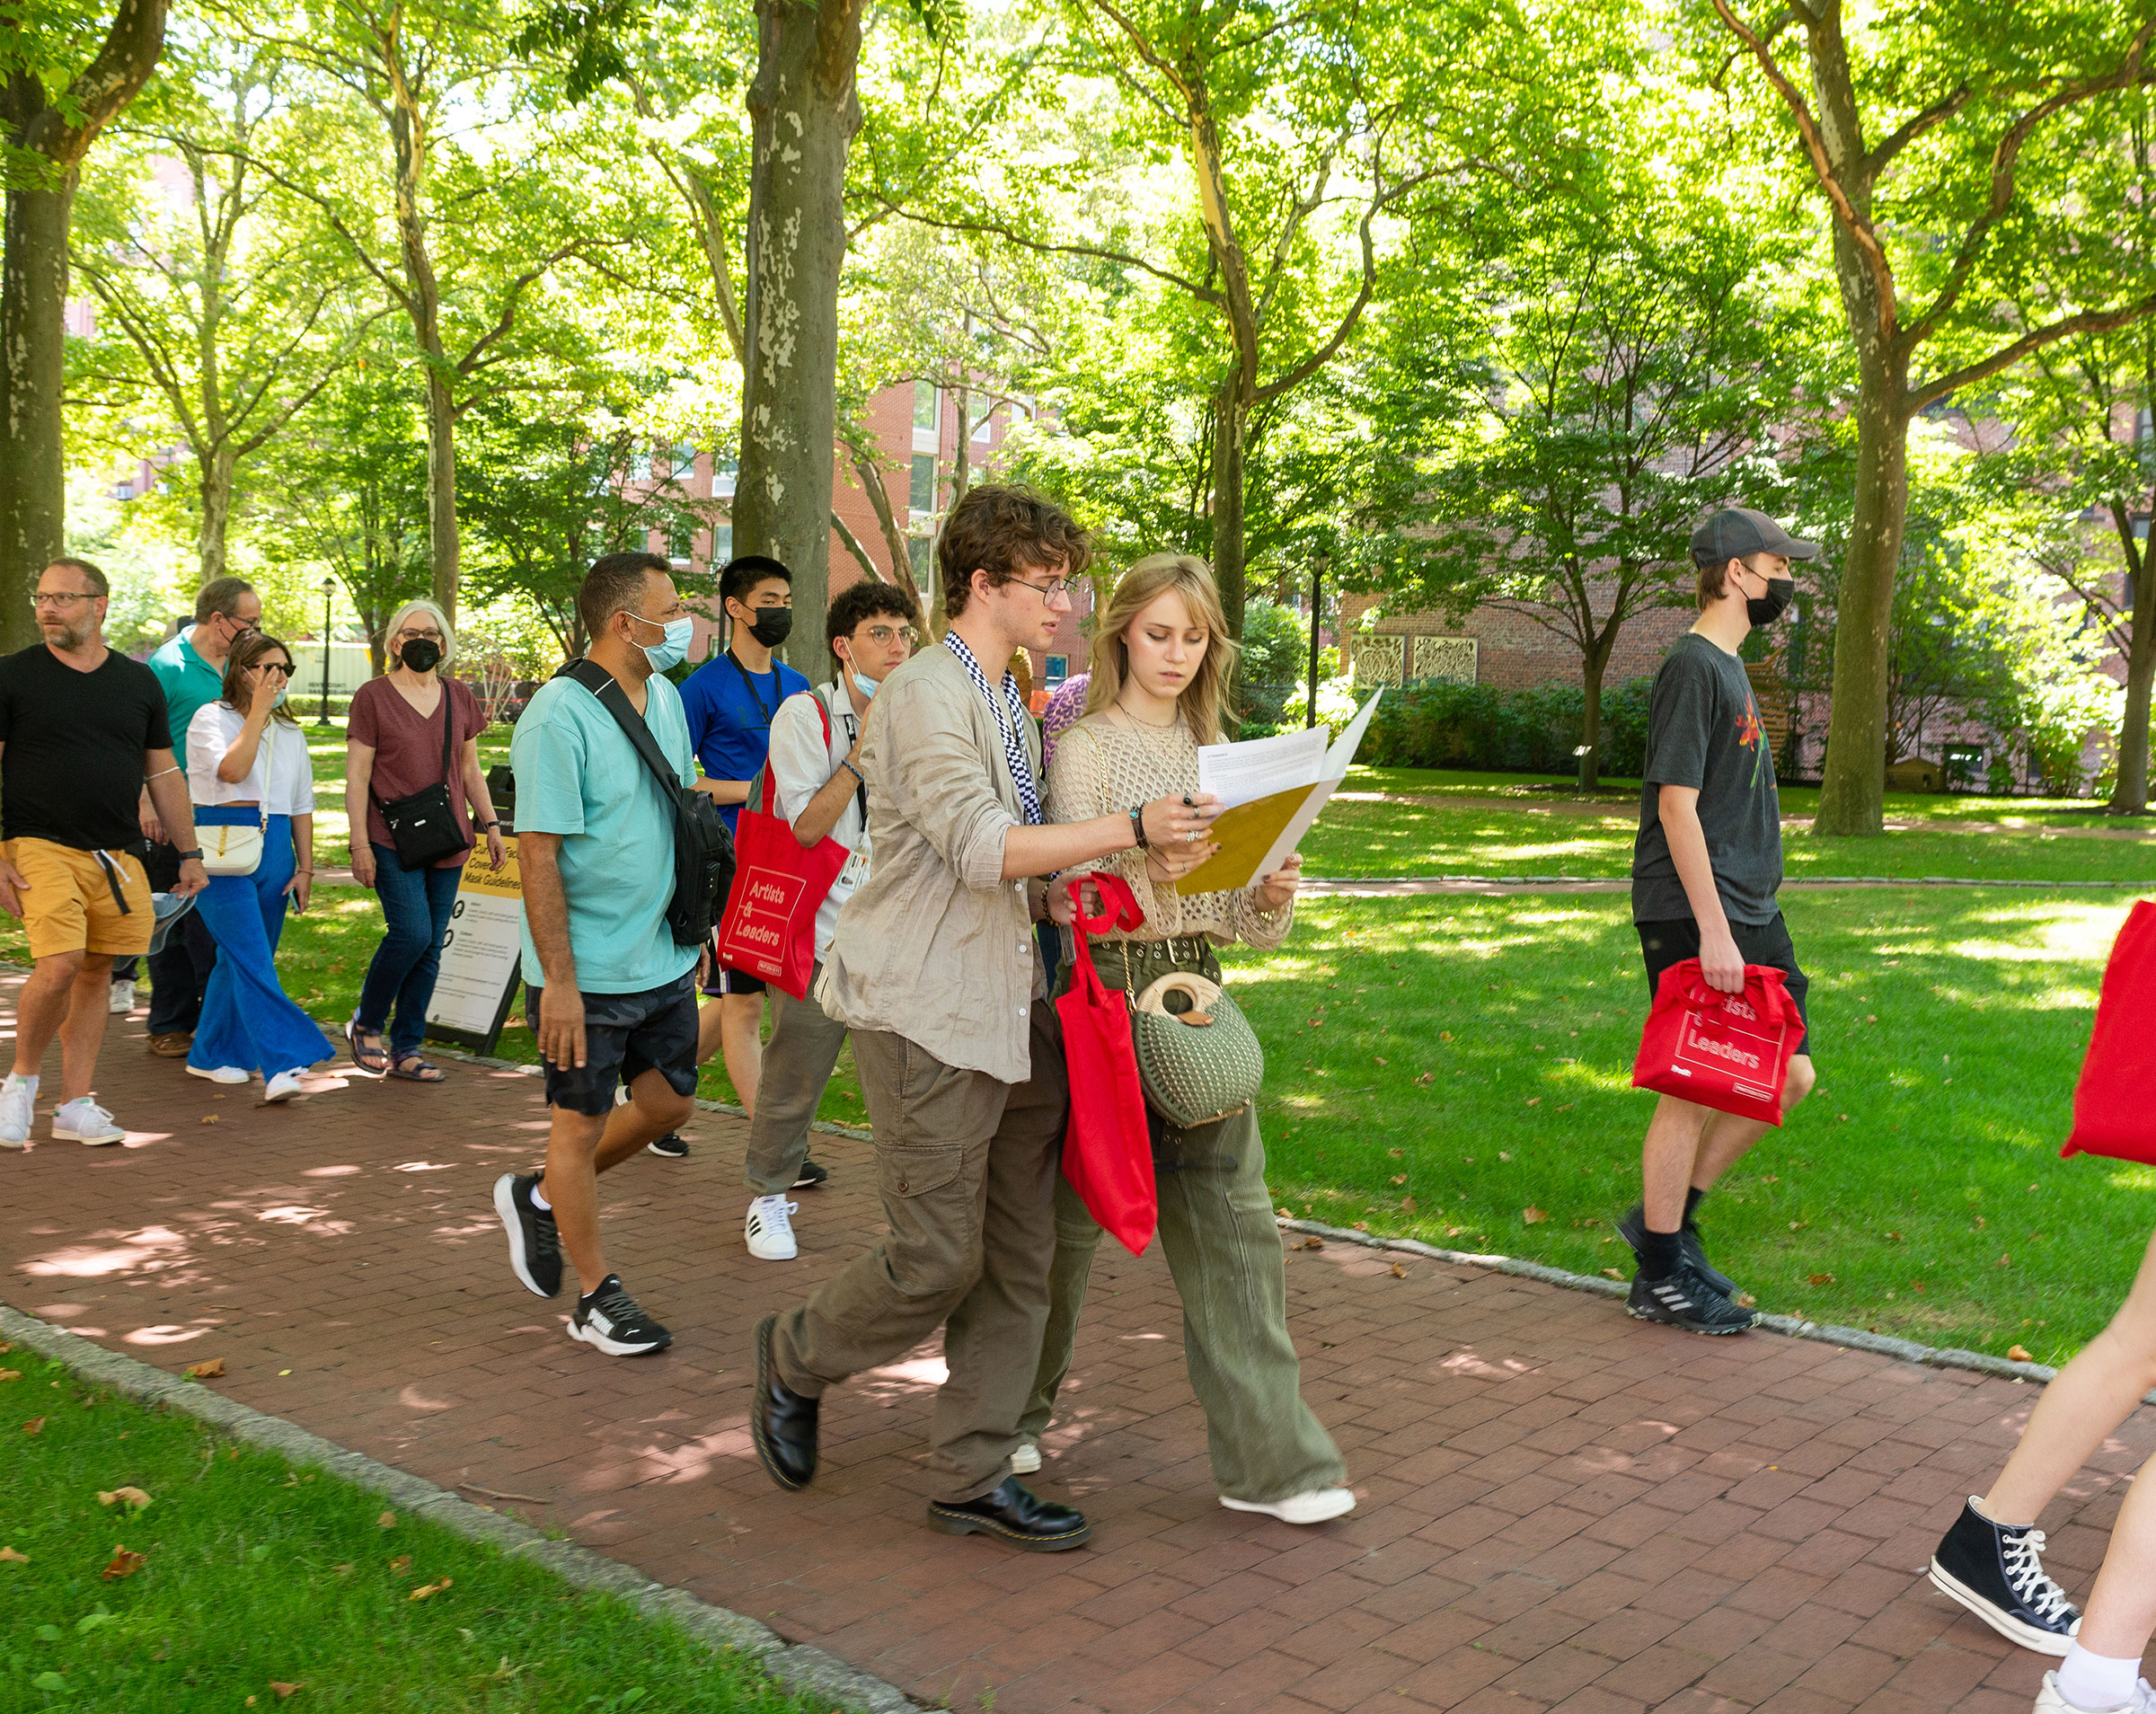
point(934, 969)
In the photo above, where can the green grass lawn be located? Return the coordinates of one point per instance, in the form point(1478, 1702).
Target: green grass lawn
point(1363, 837)
point(1458, 1070)
point(262, 1583)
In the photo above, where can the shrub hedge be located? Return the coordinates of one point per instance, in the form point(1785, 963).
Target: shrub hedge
point(1435, 723)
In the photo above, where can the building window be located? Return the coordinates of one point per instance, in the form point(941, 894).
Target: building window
point(980, 428)
point(124, 491)
point(927, 402)
point(1058, 669)
point(921, 555)
point(725, 471)
point(921, 491)
point(640, 464)
point(685, 463)
point(722, 542)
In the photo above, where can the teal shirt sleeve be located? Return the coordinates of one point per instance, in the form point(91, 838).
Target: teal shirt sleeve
point(547, 753)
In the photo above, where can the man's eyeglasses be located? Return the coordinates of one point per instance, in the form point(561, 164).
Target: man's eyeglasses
point(1047, 591)
point(883, 636)
point(62, 597)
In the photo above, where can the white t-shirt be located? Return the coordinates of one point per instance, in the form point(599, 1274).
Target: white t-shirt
point(801, 765)
point(283, 749)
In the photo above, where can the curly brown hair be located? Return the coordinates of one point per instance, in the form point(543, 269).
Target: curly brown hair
point(1006, 531)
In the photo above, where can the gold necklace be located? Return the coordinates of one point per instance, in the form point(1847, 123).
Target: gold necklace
point(1150, 726)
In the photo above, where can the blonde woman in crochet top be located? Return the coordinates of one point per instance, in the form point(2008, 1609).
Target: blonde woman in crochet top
point(1161, 660)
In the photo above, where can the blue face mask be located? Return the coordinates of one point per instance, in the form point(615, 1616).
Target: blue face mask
point(665, 656)
point(277, 700)
point(867, 684)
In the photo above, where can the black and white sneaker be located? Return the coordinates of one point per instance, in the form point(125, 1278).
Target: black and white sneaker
point(1685, 1300)
point(535, 1245)
point(810, 1175)
point(609, 1318)
point(1632, 1229)
point(1994, 1570)
point(669, 1146)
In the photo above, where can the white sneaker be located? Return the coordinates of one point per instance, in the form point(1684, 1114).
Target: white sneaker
point(769, 1229)
point(123, 999)
point(2049, 1701)
point(1026, 1459)
point(82, 1120)
point(283, 1087)
point(218, 1073)
point(18, 1110)
point(1314, 1507)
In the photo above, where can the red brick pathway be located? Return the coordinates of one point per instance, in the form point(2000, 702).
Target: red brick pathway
point(1560, 1508)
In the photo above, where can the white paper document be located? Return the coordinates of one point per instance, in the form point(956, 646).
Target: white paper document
point(1274, 788)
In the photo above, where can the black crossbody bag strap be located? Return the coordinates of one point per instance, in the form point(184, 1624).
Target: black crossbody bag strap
point(614, 700)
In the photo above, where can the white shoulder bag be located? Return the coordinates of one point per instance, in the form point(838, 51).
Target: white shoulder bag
point(237, 849)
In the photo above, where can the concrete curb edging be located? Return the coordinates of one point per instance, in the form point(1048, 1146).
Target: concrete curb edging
point(796, 1666)
point(1790, 1326)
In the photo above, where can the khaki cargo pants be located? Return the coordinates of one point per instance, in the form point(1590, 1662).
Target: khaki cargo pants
point(967, 1167)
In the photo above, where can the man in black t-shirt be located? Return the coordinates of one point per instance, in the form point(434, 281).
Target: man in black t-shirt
point(83, 731)
point(1705, 868)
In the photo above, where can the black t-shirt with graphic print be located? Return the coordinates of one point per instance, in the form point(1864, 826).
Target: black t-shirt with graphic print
point(1704, 730)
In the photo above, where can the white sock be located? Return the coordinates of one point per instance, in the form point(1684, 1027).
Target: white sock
point(2096, 1682)
point(15, 1079)
point(539, 1199)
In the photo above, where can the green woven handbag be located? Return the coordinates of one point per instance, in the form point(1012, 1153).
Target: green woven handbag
point(1198, 1063)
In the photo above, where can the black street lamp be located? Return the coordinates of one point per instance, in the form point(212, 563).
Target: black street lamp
point(329, 588)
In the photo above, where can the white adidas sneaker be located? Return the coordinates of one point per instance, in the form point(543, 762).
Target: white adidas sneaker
point(769, 1229)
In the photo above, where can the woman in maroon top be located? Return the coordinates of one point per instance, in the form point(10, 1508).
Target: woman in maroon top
point(394, 749)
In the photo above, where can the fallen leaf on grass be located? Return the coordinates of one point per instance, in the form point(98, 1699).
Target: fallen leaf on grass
point(1534, 1101)
point(1378, 1059)
point(1567, 1107)
point(1399, 1178)
point(1745, 1300)
point(1406, 1205)
point(1445, 1035)
point(399, 1565)
point(209, 1369)
point(426, 1589)
point(2017, 1354)
point(134, 1497)
point(35, 1426)
point(125, 1563)
point(1822, 1279)
point(9, 1556)
point(284, 1690)
point(2004, 1261)
point(388, 1520)
point(1397, 1155)
point(1531, 1215)
point(11, 1375)
point(1612, 1273)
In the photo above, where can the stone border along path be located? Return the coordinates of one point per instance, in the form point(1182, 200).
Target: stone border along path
point(795, 1665)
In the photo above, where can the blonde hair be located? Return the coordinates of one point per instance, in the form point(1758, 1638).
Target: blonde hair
point(1144, 583)
point(397, 619)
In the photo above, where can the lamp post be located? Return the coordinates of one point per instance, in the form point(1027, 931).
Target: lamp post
point(1317, 598)
point(329, 588)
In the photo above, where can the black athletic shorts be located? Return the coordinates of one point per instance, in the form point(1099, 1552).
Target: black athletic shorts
point(625, 1035)
point(725, 979)
point(1663, 944)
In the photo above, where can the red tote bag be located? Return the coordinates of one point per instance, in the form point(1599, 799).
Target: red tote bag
point(1106, 1152)
point(2114, 1103)
point(1727, 1051)
point(769, 926)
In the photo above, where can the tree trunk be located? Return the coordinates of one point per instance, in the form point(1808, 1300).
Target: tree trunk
point(33, 488)
point(423, 304)
point(1230, 423)
point(1592, 664)
point(2130, 794)
point(887, 520)
point(803, 113)
point(214, 487)
point(1852, 790)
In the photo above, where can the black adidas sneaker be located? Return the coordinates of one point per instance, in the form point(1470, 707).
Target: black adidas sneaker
point(1685, 1300)
point(1994, 1570)
point(612, 1320)
point(1632, 1229)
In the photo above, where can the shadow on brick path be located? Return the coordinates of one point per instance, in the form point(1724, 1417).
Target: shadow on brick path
point(1560, 1508)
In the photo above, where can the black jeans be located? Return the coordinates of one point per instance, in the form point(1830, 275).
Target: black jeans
point(179, 974)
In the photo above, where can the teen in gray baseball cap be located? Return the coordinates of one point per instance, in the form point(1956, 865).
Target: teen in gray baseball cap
point(1737, 532)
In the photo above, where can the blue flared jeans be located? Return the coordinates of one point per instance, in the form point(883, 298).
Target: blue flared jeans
point(247, 1019)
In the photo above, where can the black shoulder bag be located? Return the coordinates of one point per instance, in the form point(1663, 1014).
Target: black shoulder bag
point(704, 851)
point(423, 826)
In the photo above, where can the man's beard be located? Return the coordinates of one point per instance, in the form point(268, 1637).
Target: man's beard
point(71, 636)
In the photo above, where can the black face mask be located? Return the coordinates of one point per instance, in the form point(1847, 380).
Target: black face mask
point(421, 655)
point(774, 625)
point(1764, 610)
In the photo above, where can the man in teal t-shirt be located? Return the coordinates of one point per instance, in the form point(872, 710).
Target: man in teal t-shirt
point(610, 995)
point(190, 668)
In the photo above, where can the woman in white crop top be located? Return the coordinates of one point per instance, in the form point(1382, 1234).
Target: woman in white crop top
point(247, 766)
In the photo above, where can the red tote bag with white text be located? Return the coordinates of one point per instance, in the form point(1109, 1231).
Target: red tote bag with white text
point(2114, 1103)
point(1107, 1147)
point(769, 926)
point(1727, 1051)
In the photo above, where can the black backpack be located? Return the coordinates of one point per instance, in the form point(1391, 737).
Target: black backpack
point(704, 851)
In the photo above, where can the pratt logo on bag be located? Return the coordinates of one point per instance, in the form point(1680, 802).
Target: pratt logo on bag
point(756, 937)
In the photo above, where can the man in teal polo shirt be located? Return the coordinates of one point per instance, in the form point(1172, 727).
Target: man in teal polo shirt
point(611, 995)
point(191, 666)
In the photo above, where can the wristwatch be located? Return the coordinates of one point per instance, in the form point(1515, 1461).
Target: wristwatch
point(194, 856)
point(489, 826)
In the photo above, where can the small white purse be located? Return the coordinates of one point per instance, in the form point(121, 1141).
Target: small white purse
point(237, 849)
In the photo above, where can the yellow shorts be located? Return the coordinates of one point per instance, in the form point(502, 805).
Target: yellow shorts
point(67, 904)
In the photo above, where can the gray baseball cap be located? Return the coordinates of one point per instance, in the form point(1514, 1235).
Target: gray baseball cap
point(1738, 532)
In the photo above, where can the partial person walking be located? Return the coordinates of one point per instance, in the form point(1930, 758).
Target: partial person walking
point(935, 971)
point(249, 772)
point(83, 738)
point(1161, 661)
point(1706, 867)
point(610, 994)
point(189, 665)
point(820, 789)
point(411, 750)
point(1990, 1559)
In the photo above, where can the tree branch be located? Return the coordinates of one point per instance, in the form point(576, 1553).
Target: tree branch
point(2006, 357)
